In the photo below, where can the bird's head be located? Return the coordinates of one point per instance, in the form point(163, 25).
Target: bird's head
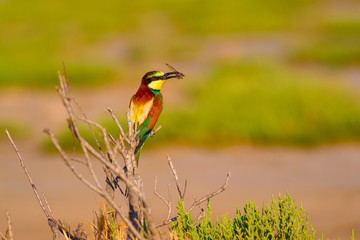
point(155, 79)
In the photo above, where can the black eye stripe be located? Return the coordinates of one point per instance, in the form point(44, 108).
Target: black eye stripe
point(150, 79)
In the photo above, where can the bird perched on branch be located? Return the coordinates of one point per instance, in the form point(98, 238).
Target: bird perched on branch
point(146, 105)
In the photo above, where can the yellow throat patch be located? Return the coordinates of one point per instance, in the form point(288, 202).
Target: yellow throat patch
point(156, 85)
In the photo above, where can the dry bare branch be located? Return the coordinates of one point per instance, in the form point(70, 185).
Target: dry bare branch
point(118, 172)
point(99, 191)
point(196, 202)
point(207, 197)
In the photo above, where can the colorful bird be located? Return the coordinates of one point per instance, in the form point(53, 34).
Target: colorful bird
point(147, 104)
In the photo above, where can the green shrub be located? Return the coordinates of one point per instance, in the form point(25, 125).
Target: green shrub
point(280, 219)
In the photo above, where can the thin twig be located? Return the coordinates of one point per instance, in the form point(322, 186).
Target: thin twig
point(28, 175)
point(117, 146)
point(2, 236)
point(51, 221)
point(10, 233)
point(122, 133)
point(74, 159)
point(152, 133)
point(130, 127)
point(181, 193)
point(167, 202)
point(201, 215)
point(104, 136)
point(48, 206)
point(88, 162)
point(89, 125)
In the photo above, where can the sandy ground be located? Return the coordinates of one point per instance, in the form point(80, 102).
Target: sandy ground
point(325, 179)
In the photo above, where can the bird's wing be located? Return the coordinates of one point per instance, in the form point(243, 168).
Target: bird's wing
point(139, 111)
point(147, 123)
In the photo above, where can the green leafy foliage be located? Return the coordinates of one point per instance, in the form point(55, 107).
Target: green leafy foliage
point(185, 225)
point(280, 219)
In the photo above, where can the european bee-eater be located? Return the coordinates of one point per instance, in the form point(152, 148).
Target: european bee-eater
point(147, 104)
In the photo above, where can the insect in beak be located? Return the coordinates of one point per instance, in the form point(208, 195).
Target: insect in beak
point(173, 74)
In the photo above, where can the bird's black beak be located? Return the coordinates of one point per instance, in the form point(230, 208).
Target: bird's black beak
point(176, 74)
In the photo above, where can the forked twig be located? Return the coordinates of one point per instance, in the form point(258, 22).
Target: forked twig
point(207, 197)
point(181, 193)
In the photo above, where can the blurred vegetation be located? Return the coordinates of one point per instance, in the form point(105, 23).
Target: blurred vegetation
point(258, 103)
point(38, 35)
point(336, 45)
point(16, 128)
point(236, 101)
point(263, 103)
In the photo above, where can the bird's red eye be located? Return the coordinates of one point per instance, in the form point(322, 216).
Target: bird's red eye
point(154, 78)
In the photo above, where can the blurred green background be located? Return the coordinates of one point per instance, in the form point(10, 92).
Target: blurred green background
point(257, 71)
